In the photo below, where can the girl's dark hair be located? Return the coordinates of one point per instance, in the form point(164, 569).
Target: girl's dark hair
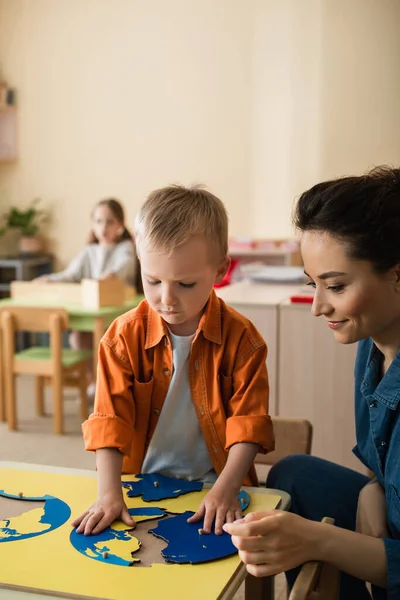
point(118, 212)
point(362, 212)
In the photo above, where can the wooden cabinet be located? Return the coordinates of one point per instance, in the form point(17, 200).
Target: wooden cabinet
point(316, 382)
point(260, 304)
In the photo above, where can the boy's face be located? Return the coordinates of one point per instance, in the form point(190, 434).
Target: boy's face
point(177, 284)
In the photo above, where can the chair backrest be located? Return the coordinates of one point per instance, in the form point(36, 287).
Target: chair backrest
point(317, 580)
point(33, 318)
point(292, 436)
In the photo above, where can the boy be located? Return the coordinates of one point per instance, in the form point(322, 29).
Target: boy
point(182, 385)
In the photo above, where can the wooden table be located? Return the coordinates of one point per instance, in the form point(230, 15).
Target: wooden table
point(230, 573)
point(80, 319)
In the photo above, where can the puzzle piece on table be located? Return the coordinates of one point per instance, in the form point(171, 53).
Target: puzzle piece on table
point(115, 545)
point(186, 545)
point(141, 514)
point(153, 487)
point(244, 499)
point(34, 522)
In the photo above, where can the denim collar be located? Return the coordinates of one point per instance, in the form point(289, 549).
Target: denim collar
point(385, 390)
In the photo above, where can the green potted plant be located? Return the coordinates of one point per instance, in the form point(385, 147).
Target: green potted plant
point(27, 222)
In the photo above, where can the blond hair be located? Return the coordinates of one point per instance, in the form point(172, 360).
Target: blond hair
point(172, 215)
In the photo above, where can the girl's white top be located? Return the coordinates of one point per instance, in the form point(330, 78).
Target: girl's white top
point(95, 261)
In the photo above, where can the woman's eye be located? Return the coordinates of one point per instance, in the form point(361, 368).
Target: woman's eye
point(336, 288)
point(153, 282)
point(187, 285)
point(311, 284)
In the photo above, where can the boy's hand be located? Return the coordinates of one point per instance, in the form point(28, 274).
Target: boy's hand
point(102, 513)
point(219, 504)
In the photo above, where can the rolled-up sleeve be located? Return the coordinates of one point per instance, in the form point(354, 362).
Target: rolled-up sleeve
point(112, 423)
point(247, 409)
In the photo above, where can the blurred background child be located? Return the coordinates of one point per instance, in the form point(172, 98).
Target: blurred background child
point(110, 252)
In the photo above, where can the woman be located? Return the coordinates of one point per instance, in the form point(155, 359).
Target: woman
point(350, 243)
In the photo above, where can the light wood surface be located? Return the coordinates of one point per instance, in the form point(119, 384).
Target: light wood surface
point(91, 293)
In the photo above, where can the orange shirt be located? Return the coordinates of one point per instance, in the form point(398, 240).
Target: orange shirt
point(228, 382)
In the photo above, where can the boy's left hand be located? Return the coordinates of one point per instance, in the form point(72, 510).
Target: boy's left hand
point(220, 504)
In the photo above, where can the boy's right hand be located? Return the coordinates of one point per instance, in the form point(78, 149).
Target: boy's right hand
point(102, 513)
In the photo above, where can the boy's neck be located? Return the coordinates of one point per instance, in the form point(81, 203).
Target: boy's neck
point(187, 328)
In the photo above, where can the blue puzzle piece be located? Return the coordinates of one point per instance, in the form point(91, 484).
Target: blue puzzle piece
point(55, 513)
point(116, 543)
point(153, 487)
point(186, 545)
point(244, 499)
point(94, 546)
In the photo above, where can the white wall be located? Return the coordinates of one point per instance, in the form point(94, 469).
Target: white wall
point(326, 83)
point(256, 98)
point(117, 97)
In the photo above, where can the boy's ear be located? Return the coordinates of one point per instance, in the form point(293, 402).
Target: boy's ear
point(222, 269)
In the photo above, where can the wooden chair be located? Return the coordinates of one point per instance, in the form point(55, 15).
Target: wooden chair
point(55, 365)
point(317, 580)
point(292, 436)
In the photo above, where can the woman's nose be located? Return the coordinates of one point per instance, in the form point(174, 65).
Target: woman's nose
point(320, 306)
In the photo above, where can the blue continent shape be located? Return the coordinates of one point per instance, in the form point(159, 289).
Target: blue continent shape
point(153, 487)
point(113, 541)
point(55, 513)
point(186, 545)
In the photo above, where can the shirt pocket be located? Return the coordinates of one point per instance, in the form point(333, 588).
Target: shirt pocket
point(226, 388)
point(142, 397)
point(393, 509)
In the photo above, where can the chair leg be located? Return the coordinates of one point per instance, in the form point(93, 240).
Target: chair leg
point(259, 588)
point(39, 395)
point(11, 408)
point(84, 408)
point(58, 423)
point(2, 397)
point(2, 384)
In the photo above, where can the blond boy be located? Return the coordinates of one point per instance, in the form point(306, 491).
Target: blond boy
point(182, 386)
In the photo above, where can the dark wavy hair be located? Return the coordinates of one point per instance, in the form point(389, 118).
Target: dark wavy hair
point(362, 212)
point(118, 212)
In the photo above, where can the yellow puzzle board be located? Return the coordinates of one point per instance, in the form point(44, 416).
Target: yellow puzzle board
point(50, 563)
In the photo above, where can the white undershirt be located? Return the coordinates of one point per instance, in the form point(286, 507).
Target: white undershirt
point(177, 448)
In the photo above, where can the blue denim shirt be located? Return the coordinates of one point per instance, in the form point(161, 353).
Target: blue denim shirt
point(378, 443)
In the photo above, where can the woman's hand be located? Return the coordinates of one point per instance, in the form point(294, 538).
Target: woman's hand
point(274, 541)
